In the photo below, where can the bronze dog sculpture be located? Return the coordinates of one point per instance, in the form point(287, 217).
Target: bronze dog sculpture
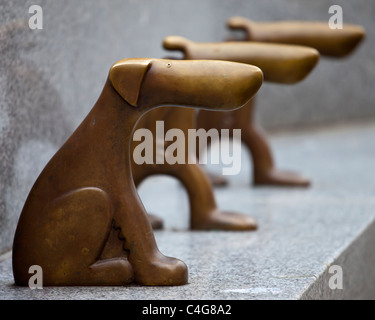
point(333, 43)
point(83, 222)
point(280, 63)
point(329, 42)
point(204, 213)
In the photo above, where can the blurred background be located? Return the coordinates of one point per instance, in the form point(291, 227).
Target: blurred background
point(51, 78)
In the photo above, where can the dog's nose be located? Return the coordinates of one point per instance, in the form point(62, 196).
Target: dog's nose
point(206, 84)
point(233, 86)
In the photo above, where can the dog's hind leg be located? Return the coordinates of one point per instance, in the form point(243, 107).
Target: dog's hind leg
point(75, 230)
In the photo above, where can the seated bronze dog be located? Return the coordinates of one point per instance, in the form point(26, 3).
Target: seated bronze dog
point(83, 222)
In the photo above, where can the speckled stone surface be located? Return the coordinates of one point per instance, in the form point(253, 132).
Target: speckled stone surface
point(301, 232)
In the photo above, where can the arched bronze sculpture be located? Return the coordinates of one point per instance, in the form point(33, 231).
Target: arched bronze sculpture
point(83, 221)
point(329, 42)
point(334, 43)
point(281, 64)
point(204, 213)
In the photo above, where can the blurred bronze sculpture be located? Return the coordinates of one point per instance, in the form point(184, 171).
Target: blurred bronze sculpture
point(204, 213)
point(329, 42)
point(333, 43)
point(83, 222)
point(280, 63)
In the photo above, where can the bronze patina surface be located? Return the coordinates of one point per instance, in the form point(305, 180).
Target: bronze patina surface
point(332, 43)
point(83, 221)
point(280, 63)
point(329, 42)
point(204, 213)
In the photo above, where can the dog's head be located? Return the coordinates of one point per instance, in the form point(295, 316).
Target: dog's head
point(336, 43)
point(205, 84)
point(279, 62)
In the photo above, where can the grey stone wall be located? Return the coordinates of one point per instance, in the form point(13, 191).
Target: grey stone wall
point(50, 78)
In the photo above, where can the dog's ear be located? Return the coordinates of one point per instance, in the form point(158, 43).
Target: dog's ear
point(175, 43)
point(238, 23)
point(127, 76)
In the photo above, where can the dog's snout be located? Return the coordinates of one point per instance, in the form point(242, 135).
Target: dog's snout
point(207, 84)
point(243, 83)
point(248, 84)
